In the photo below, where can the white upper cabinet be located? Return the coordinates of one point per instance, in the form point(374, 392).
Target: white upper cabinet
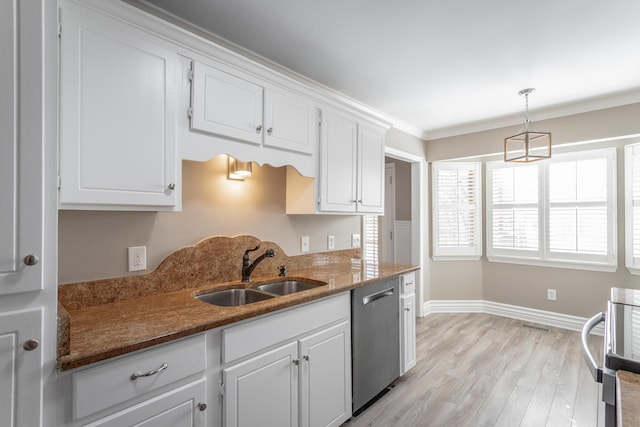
point(290, 121)
point(231, 112)
point(370, 170)
point(118, 99)
point(338, 163)
point(351, 166)
point(21, 154)
point(226, 105)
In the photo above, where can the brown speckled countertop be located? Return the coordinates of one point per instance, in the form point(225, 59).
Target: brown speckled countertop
point(112, 317)
point(627, 398)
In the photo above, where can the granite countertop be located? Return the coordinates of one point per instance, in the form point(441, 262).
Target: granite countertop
point(107, 328)
point(627, 397)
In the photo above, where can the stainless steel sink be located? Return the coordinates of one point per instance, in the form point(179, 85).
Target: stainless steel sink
point(234, 297)
point(287, 287)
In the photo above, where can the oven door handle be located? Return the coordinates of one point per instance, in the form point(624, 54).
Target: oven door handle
point(594, 370)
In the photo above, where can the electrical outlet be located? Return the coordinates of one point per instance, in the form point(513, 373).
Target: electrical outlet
point(331, 243)
point(304, 244)
point(551, 294)
point(137, 258)
point(355, 240)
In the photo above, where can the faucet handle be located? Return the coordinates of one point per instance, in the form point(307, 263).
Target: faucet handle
point(246, 253)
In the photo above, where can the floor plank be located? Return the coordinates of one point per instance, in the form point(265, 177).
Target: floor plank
point(475, 369)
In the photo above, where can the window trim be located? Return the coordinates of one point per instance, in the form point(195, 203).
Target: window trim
point(630, 262)
point(543, 257)
point(457, 253)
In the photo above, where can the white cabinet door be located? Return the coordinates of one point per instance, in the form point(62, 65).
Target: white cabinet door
point(338, 163)
point(408, 335)
point(20, 369)
point(325, 382)
point(263, 391)
point(20, 159)
point(118, 100)
point(180, 407)
point(226, 105)
point(291, 122)
point(370, 170)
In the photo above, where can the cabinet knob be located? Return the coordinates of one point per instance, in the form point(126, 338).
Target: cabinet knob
point(31, 344)
point(259, 129)
point(172, 186)
point(407, 309)
point(295, 361)
point(31, 260)
point(306, 357)
point(269, 131)
point(202, 406)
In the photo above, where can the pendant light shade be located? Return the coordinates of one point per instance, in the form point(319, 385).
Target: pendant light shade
point(527, 146)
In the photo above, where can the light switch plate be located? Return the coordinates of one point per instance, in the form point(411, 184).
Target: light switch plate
point(551, 294)
point(137, 258)
point(355, 240)
point(304, 244)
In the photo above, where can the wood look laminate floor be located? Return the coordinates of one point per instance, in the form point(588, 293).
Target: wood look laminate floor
point(484, 370)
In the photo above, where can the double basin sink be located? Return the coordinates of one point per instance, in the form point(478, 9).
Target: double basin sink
point(261, 292)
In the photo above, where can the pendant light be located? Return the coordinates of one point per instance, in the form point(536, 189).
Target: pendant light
point(527, 146)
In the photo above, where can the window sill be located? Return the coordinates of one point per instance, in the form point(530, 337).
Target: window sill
point(590, 266)
point(456, 258)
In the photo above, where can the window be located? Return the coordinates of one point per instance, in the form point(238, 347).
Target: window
point(561, 212)
point(632, 207)
point(370, 232)
point(457, 210)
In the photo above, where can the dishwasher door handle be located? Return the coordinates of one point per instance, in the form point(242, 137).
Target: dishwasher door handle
point(594, 370)
point(371, 298)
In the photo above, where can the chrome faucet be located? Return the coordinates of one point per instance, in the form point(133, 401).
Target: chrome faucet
point(247, 266)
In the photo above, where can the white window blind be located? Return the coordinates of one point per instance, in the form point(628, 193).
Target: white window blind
point(457, 210)
point(560, 212)
point(370, 224)
point(632, 207)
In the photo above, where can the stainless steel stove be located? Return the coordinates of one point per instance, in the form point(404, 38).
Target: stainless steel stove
point(621, 344)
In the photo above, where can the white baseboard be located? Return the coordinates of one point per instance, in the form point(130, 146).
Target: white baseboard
point(558, 320)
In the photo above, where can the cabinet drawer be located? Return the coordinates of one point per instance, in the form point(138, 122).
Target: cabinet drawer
point(408, 283)
point(247, 338)
point(103, 386)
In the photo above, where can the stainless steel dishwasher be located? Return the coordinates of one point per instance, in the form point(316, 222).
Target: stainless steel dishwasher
point(375, 337)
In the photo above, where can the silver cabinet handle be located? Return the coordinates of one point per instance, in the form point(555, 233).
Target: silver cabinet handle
point(594, 370)
point(171, 186)
point(30, 260)
point(259, 129)
point(137, 375)
point(269, 131)
point(370, 298)
point(202, 406)
point(30, 345)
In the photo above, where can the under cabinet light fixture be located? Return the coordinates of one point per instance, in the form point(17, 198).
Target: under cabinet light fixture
point(527, 146)
point(238, 170)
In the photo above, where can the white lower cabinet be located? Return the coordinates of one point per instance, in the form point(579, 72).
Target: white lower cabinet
point(302, 381)
point(162, 386)
point(407, 322)
point(263, 390)
point(181, 407)
point(20, 367)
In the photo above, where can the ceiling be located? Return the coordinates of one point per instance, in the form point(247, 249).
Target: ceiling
point(443, 67)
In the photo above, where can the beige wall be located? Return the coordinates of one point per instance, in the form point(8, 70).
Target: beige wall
point(579, 293)
point(93, 245)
